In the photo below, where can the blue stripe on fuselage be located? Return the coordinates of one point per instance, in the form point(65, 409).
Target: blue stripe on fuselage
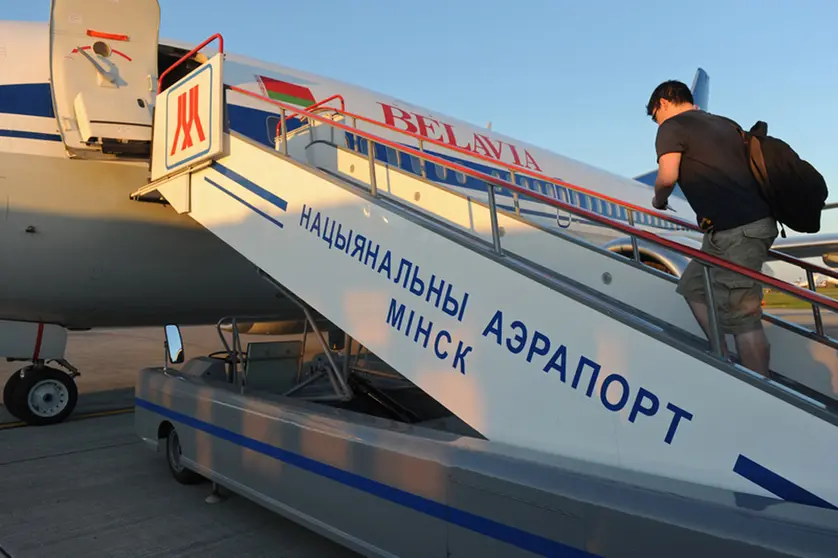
point(260, 126)
point(35, 99)
point(437, 173)
point(27, 99)
point(21, 134)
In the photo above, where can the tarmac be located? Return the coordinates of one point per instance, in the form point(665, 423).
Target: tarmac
point(89, 487)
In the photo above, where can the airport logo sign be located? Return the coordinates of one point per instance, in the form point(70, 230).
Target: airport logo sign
point(189, 118)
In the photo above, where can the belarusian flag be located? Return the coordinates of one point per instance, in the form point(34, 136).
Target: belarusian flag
point(287, 92)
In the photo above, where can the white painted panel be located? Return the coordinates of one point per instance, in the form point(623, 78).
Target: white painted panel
point(796, 357)
point(28, 340)
point(508, 396)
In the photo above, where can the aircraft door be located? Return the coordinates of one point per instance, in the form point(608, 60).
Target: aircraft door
point(103, 65)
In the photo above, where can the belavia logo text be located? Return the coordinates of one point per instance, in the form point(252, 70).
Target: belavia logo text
point(187, 116)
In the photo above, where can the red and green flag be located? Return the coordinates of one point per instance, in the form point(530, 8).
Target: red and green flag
point(287, 92)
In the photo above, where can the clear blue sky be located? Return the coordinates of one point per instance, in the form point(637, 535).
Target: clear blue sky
point(571, 76)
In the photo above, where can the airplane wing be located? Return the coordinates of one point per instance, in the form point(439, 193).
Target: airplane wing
point(701, 99)
point(820, 245)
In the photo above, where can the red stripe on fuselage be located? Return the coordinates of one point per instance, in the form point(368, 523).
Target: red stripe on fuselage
point(36, 354)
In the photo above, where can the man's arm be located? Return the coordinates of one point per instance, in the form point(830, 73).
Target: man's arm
point(668, 166)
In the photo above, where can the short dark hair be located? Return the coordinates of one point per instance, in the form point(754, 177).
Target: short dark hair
point(674, 91)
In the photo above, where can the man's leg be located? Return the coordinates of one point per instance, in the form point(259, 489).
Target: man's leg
point(741, 298)
point(691, 287)
point(702, 316)
point(754, 350)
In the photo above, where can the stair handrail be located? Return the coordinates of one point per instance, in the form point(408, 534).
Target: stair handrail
point(514, 169)
point(703, 257)
point(189, 55)
point(312, 108)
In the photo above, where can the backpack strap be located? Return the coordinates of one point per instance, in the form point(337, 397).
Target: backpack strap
point(753, 153)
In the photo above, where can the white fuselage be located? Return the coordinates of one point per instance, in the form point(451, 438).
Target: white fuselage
point(78, 252)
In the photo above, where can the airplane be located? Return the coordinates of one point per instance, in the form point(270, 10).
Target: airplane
point(80, 253)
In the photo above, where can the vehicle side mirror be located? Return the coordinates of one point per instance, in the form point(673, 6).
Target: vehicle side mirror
point(174, 344)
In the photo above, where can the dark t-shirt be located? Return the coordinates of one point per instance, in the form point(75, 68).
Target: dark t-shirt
point(715, 176)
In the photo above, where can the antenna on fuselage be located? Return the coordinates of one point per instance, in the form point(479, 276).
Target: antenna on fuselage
point(489, 125)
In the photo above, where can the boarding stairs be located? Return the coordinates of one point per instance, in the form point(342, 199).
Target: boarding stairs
point(530, 336)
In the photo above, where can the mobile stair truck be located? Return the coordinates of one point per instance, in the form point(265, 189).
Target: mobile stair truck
point(486, 386)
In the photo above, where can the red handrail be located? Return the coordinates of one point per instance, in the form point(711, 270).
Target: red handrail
point(318, 104)
point(692, 226)
point(805, 294)
point(187, 56)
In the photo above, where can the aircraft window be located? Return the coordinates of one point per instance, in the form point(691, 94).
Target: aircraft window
point(440, 171)
point(361, 145)
point(583, 200)
point(495, 173)
point(526, 183)
point(461, 177)
point(623, 214)
point(414, 164)
point(392, 156)
point(550, 190)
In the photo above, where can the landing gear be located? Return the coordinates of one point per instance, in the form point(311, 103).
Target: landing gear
point(40, 395)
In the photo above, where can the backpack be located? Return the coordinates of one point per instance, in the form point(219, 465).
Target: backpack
point(794, 190)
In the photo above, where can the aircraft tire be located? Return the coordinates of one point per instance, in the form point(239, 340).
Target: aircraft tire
point(44, 396)
point(179, 472)
point(8, 394)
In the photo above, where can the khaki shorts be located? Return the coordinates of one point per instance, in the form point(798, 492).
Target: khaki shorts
point(738, 298)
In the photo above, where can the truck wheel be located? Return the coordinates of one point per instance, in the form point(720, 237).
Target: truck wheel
point(173, 453)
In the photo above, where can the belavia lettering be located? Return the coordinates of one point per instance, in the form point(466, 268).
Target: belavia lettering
point(441, 131)
point(187, 116)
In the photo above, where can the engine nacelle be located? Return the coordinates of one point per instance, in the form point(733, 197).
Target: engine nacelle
point(830, 259)
point(666, 260)
point(655, 256)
